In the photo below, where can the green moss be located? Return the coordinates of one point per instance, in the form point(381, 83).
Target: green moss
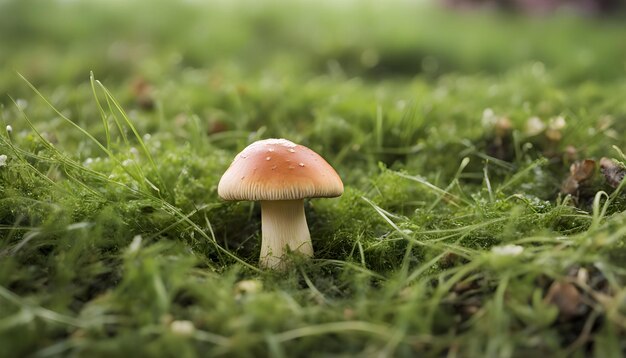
point(446, 241)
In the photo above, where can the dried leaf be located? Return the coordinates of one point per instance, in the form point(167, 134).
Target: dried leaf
point(613, 171)
point(503, 127)
point(500, 145)
point(565, 297)
point(217, 126)
point(143, 93)
point(580, 172)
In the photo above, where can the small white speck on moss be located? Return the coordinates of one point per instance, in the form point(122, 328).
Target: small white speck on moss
point(21, 103)
point(182, 328)
point(247, 287)
point(557, 123)
point(135, 244)
point(3, 160)
point(534, 126)
point(507, 250)
point(489, 118)
point(9, 129)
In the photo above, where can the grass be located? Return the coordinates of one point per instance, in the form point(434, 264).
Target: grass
point(456, 235)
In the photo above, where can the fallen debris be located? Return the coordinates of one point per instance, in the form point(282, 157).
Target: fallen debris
point(144, 94)
point(566, 298)
point(613, 171)
point(580, 173)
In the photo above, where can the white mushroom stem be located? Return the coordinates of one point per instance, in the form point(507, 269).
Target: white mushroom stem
point(284, 229)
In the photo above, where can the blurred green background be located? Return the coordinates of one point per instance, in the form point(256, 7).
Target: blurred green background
point(453, 125)
point(59, 41)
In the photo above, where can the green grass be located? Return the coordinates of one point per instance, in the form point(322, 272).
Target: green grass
point(453, 237)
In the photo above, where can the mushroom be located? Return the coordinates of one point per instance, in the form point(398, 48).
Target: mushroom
point(280, 174)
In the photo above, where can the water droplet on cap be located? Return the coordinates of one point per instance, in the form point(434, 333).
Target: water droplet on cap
point(291, 150)
point(301, 164)
point(268, 158)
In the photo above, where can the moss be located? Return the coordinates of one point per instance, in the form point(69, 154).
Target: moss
point(452, 228)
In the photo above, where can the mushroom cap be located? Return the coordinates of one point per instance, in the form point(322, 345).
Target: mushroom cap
point(278, 169)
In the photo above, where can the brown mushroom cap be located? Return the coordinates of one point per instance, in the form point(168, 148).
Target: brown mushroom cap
point(278, 169)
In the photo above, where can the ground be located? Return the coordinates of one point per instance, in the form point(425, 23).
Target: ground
point(480, 153)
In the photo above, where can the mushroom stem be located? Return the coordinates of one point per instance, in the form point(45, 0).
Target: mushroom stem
point(284, 228)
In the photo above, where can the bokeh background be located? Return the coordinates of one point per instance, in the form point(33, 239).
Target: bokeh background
point(468, 227)
point(61, 41)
